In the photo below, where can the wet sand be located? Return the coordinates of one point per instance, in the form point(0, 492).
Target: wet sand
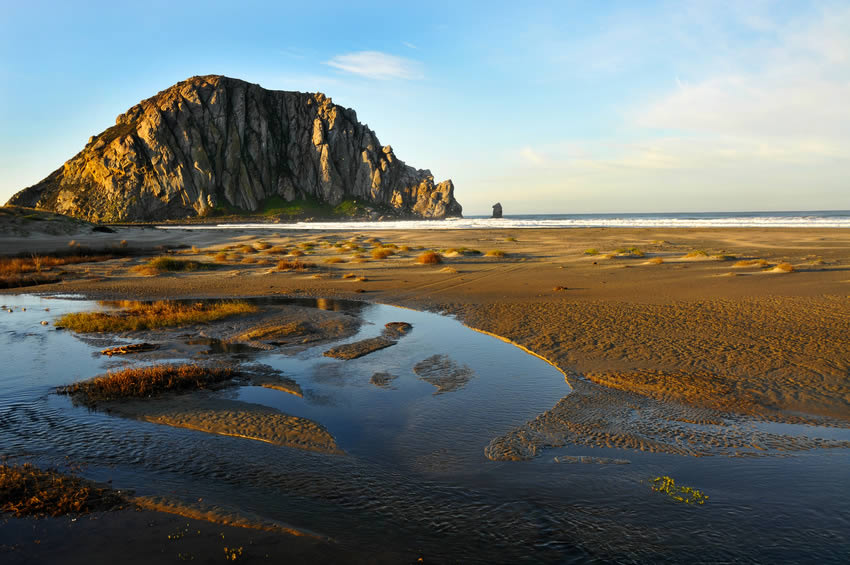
point(229, 418)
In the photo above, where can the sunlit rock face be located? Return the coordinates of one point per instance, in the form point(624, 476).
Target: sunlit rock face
point(216, 143)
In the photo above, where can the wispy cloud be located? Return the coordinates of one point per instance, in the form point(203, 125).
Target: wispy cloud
point(409, 45)
point(531, 156)
point(377, 65)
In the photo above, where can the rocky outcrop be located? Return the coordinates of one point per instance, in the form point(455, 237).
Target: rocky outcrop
point(497, 210)
point(214, 143)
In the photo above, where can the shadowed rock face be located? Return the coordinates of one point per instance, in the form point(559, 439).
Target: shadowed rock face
point(213, 141)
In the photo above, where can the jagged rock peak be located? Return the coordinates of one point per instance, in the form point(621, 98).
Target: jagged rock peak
point(213, 143)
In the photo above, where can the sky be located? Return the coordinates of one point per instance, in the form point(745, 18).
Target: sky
point(546, 107)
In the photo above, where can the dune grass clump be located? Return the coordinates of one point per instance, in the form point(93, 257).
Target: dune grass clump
point(26, 490)
point(261, 245)
point(382, 252)
point(630, 252)
point(170, 264)
point(510, 238)
point(32, 269)
point(430, 258)
point(495, 253)
point(296, 253)
point(752, 263)
point(678, 493)
point(591, 251)
point(137, 316)
point(287, 265)
point(696, 254)
point(144, 382)
point(784, 268)
point(349, 276)
point(465, 251)
point(336, 259)
point(655, 261)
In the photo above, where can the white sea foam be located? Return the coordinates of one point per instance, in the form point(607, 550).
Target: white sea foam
point(761, 220)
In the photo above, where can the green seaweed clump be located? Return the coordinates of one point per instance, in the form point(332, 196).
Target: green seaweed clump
point(679, 493)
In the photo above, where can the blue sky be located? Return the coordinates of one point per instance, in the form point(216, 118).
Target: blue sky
point(546, 107)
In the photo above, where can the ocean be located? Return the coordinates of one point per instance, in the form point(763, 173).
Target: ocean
point(794, 219)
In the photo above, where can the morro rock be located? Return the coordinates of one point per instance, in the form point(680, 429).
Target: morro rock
point(214, 144)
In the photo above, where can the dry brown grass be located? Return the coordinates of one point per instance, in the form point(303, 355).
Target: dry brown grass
point(26, 490)
point(287, 265)
point(696, 254)
point(382, 252)
point(450, 270)
point(250, 260)
point(169, 264)
point(630, 252)
point(784, 267)
point(349, 276)
point(136, 316)
point(245, 249)
point(261, 245)
point(296, 253)
point(333, 260)
point(277, 249)
point(27, 271)
point(752, 263)
point(655, 261)
point(495, 253)
point(144, 382)
point(430, 258)
point(362, 279)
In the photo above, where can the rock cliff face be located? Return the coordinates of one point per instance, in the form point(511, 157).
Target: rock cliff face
point(211, 143)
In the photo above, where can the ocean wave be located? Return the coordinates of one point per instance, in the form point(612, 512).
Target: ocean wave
point(830, 220)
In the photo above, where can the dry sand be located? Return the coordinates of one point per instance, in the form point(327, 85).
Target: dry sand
point(654, 346)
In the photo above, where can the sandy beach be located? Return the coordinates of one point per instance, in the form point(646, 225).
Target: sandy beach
point(719, 334)
point(652, 327)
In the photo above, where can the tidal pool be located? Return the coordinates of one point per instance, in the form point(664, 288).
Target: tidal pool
point(413, 474)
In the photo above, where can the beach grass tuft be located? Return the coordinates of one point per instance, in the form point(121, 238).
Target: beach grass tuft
point(289, 265)
point(430, 258)
point(170, 264)
point(495, 253)
point(382, 252)
point(630, 252)
point(144, 382)
point(136, 316)
point(752, 263)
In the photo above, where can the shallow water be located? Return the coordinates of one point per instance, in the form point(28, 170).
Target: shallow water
point(414, 476)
